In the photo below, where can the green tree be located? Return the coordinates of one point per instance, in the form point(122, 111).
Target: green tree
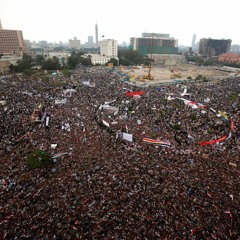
point(51, 64)
point(38, 159)
point(25, 63)
point(114, 61)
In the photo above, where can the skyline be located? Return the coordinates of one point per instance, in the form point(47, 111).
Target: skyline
point(54, 22)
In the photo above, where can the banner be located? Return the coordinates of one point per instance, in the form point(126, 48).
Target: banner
point(127, 136)
point(130, 94)
point(158, 142)
point(213, 141)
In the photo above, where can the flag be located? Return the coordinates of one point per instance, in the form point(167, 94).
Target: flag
point(213, 141)
point(157, 142)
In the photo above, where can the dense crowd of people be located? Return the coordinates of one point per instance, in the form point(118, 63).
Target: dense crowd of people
point(104, 185)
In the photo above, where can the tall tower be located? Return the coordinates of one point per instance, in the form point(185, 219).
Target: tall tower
point(96, 34)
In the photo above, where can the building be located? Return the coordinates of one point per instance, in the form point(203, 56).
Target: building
point(154, 43)
point(12, 42)
point(96, 34)
point(193, 46)
point(167, 59)
point(213, 47)
point(235, 48)
point(109, 48)
point(4, 67)
point(75, 43)
point(98, 59)
point(229, 58)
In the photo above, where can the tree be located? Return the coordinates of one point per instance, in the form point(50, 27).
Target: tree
point(38, 159)
point(51, 64)
point(25, 63)
point(129, 57)
point(113, 61)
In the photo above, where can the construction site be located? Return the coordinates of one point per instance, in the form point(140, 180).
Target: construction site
point(172, 74)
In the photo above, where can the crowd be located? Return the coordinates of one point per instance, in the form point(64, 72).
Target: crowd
point(105, 186)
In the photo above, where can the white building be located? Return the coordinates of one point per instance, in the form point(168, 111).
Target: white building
point(108, 50)
point(75, 43)
point(109, 47)
point(99, 59)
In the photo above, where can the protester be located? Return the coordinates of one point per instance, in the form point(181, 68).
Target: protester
point(125, 167)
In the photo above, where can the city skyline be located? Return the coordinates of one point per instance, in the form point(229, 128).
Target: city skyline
point(53, 22)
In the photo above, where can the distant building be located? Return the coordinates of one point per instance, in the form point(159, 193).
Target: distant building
point(229, 58)
point(235, 48)
point(193, 46)
point(4, 67)
point(96, 34)
point(109, 47)
point(167, 59)
point(98, 59)
point(108, 50)
point(90, 40)
point(75, 43)
point(213, 47)
point(154, 43)
point(43, 44)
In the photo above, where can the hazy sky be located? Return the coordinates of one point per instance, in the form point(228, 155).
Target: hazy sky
point(56, 20)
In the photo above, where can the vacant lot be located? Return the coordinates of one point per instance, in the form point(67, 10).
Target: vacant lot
point(166, 74)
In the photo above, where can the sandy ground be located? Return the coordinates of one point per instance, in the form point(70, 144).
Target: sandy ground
point(182, 72)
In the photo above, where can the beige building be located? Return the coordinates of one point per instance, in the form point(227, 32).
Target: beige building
point(109, 47)
point(12, 43)
point(75, 43)
point(4, 67)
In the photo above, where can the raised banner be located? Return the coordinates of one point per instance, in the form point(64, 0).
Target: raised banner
point(127, 136)
point(157, 142)
point(130, 94)
point(213, 141)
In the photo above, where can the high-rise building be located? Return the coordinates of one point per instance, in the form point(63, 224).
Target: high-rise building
point(96, 34)
point(194, 42)
point(75, 43)
point(109, 47)
point(12, 43)
point(213, 47)
point(154, 43)
point(90, 40)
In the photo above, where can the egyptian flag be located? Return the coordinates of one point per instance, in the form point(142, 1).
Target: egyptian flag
point(157, 142)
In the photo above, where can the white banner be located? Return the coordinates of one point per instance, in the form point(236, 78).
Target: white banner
point(127, 136)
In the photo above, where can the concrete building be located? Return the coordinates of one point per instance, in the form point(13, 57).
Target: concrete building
point(96, 34)
point(4, 67)
point(75, 43)
point(154, 43)
point(109, 48)
point(12, 43)
point(235, 48)
point(213, 47)
point(98, 59)
point(167, 59)
point(194, 45)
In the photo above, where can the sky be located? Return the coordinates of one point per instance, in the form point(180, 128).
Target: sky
point(55, 20)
